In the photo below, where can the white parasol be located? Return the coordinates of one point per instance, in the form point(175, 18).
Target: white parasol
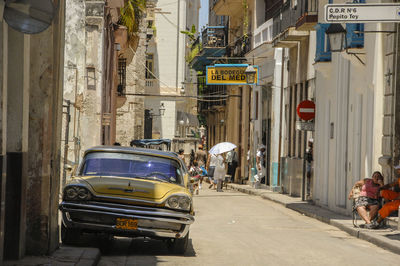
point(222, 147)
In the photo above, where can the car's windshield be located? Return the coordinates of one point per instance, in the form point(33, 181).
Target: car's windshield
point(132, 165)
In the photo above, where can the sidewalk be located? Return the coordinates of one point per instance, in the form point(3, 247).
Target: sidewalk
point(387, 238)
point(65, 255)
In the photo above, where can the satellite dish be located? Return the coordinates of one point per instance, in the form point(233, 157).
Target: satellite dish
point(29, 16)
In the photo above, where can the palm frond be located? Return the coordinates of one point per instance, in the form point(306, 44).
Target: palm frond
point(131, 14)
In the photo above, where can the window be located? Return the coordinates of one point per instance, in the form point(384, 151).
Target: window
point(91, 78)
point(121, 76)
point(150, 66)
point(134, 166)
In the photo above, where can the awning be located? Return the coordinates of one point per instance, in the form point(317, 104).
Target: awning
point(188, 119)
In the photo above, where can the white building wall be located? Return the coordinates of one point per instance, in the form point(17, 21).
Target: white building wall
point(83, 48)
point(276, 109)
point(169, 50)
point(349, 118)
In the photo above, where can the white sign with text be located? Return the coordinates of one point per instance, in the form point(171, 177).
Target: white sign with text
point(342, 13)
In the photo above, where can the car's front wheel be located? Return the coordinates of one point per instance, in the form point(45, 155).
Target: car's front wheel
point(69, 236)
point(178, 245)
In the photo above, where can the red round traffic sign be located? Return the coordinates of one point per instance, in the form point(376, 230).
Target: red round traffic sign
point(306, 110)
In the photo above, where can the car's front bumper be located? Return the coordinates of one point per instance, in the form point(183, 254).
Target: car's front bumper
point(101, 217)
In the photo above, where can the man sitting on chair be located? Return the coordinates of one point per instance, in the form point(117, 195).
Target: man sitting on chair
point(392, 196)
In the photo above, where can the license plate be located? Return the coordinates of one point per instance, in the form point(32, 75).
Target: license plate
point(129, 224)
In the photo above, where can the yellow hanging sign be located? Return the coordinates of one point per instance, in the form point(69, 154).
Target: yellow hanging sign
point(228, 74)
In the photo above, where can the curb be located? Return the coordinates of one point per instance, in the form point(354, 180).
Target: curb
point(64, 255)
point(82, 256)
point(375, 239)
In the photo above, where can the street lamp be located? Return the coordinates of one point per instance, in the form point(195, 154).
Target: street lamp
point(337, 37)
point(161, 110)
point(250, 73)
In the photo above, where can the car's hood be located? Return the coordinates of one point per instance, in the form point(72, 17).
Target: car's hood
point(130, 187)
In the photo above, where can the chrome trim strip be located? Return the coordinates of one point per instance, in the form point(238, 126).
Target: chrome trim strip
point(160, 219)
point(127, 210)
point(123, 199)
point(142, 231)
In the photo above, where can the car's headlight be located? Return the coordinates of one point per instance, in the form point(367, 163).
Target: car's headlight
point(77, 193)
point(179, 202)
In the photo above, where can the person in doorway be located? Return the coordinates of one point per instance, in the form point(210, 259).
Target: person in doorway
point(391, 196)
point(260, 162)
point(219, 172)
point(365, 194)
point(201, 158)
point(309, 160)
point(232, 161)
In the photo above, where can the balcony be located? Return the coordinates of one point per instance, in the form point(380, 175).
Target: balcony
point(227, 7)
point(210, 90)
point(263, 34)
point(309, 15)
point(284, 27)
point(210, 44)
point(240, 47)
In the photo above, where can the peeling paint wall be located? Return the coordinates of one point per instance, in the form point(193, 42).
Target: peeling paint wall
point(83, 71)
point(130, 116)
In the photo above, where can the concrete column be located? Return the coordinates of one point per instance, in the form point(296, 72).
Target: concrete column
point(45, 119)
point(3, 129)
point(16, 143)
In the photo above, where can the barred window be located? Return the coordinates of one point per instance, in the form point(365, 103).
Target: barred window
point(121, 76)
point(149, 66)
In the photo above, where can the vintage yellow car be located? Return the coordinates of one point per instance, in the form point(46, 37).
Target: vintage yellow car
point(124, 191)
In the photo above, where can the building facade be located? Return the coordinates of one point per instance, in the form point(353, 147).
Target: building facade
point(32, 68)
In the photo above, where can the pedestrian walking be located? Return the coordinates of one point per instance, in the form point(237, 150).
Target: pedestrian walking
point(309, 160)
point(232, 161)
point(219, 172)
point(201, 158)
point(260, 161)
point(191, 158)
point(211, 163)
point(181, 154)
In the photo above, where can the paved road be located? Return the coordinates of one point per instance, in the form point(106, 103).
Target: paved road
point(232, 228)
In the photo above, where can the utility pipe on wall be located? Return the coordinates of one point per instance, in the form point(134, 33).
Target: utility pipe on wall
point(280, 118)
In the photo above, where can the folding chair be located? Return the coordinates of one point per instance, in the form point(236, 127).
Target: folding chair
point(356, 217)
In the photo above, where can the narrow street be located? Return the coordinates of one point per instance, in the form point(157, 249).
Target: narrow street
point(232, 228)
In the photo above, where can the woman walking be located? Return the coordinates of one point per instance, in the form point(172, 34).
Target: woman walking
point(219, 172)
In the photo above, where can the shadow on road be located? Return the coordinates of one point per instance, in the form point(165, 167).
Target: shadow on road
point(393, 236)
point(312, 211)
point(124, 246)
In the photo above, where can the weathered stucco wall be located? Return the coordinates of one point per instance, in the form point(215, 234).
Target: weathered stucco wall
point(130, 116)
point(83, 51)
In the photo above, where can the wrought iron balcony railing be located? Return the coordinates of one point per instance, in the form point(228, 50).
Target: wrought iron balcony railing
point(287, 17)
point(214, 36)
point(240, 47)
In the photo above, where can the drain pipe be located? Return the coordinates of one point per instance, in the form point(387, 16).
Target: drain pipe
point(280, 119)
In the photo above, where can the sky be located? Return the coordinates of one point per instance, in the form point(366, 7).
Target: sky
point(203, 20)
